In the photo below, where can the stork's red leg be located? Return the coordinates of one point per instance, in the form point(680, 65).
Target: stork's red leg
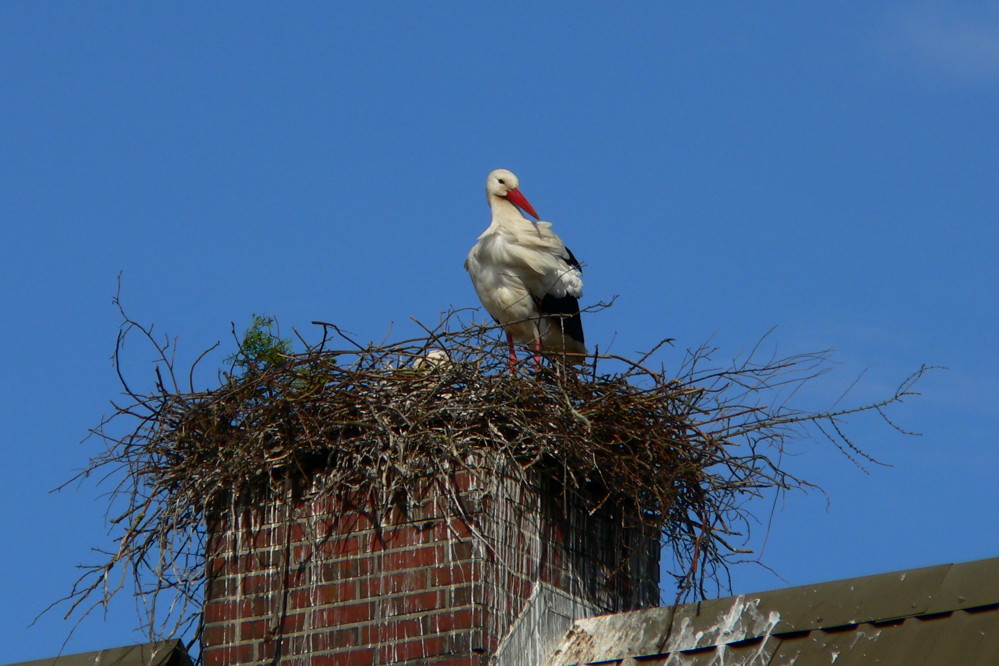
point(513, 353)
point(537, 353)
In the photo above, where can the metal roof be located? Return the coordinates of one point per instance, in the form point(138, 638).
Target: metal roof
point(163, 653)
point(947, 614)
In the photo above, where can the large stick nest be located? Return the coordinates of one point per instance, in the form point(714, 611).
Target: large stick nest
point(683, 450)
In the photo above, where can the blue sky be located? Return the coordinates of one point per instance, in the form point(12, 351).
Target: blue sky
point(829, 170)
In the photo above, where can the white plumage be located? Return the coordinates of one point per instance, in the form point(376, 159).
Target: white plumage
point(524, 275)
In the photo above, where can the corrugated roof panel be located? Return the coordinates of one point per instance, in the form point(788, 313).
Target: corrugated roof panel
point(755, 652)
point(717, 622)
point(954, 638)
point(967, 586)
point(977, 633)
point(943, 640)
point(847, 647)
point(163, 653)
point(914, 616)
point(856, 600)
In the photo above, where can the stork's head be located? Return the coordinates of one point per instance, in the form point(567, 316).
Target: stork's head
point(503, 184)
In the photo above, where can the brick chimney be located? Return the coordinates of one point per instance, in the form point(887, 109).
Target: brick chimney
point(478, 567)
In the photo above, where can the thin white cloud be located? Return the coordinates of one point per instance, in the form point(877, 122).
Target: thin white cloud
point(949, 39)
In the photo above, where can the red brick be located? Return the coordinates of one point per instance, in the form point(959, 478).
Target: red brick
point(301, 553)
point(332, 616)
point(449, 574)
point(459, 550)
point(224, 656)
point(342, 547)
point(220, 611)
point(451, 597)
point(393, 631)
point(463, 482)
point(267, 648)
point(253, 630)
point(396, 653)
point(323, 594)
point(255, 606)
point(265, 537)
point(400, 537)
point(219, 634)
point(446, 621)
point(219, 588)
point(215, 566)
point(348, 521)
point(423, 556)
point(293, 622)
point(394, 583)
point(415, 603)
point(344, 568)
point(259, 584)
point(356, 657)
point(451, 529)
point(340, 638)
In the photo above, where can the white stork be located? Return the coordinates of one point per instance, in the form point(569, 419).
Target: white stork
point(525, 276)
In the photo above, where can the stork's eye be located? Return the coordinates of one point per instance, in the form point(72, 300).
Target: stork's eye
point(502, 182)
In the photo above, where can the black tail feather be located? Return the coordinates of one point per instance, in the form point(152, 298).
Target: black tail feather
point(567, 309)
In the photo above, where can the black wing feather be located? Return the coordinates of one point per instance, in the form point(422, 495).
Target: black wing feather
point(566, 310)
point(571, 258)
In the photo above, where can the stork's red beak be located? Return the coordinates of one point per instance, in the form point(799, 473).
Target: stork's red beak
point(518, 199)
